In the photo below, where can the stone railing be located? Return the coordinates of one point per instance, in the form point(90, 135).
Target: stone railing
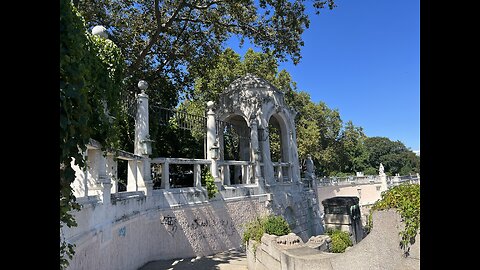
point(282, 171)
point(397, 180)
point(100, 182)
point(242, 172)
point(165, 169)
point(338, 181)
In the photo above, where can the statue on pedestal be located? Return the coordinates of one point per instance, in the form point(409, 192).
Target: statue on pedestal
point(381, 170)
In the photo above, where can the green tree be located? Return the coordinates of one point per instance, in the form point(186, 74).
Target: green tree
point(318, 133)
point(394, 155)
point(353, 152)
point(166, 42)
point(318, 127)
point(91, 72)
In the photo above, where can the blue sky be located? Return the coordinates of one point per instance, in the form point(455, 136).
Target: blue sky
point(363, 58)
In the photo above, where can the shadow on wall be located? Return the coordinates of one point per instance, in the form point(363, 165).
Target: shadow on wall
point(206, 229)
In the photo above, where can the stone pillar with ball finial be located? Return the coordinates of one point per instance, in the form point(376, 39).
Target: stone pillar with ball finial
point(142, 146)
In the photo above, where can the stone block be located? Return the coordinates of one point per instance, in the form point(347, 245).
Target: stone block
point(320, 242)
point(289, 240)
point(266, 259)
point(337, 219)
point(345, 228)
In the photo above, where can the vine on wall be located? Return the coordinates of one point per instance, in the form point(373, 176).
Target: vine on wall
point(91, 72)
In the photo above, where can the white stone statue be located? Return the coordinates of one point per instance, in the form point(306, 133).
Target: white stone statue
point(381, 170)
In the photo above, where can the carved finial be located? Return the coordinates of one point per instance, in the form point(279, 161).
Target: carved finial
point(100, 31)
point(210, 104)
point(142, 85)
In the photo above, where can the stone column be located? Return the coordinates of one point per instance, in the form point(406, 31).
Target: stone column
point(96, 171)
point(255, 151)
point(142, 141)
point(226, 175)
point(197, 175)
point(100, 181)
point(165, 175)
point(212, 144)
point(295, 166)
point(267, 162)
point(112, 173)
point(279, 173)
point(142, 138)
point(132, 175)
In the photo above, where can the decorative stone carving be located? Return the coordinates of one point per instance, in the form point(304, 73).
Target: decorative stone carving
point(289, 239)
point(320, 242)
point(256, 101)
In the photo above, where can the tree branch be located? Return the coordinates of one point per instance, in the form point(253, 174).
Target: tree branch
point(161, 27)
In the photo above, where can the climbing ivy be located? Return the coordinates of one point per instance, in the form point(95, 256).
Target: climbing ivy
point(91, 71)
point(406, 199)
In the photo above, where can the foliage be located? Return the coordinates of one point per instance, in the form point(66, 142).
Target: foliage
point(336, 148)
point(371, 171)
point(340, 240)
point(276, 225)
point(369, 224)
point(173, 141)
point(254, 230)
point(318, 127)
point(167, 43)
point(353, 153)
point(270, 224)
point(228, 67)
point(209, 182)
point(405, 199)
point(165, 40)
point(90, 77)
point(394, 156)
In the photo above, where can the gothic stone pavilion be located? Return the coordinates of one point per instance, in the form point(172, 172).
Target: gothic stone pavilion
point(252, 104)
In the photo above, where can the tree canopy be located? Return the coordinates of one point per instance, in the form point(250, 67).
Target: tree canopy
point(394, 155)
point(337, 148)
point(165, 41)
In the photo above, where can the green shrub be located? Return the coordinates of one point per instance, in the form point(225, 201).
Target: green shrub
point(271, 224)
point(276, 225)
point(340, 240)
point(253, 230)
point(406, 199)
point(209, 182)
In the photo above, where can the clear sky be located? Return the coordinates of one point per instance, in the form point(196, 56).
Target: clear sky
point(363, 58)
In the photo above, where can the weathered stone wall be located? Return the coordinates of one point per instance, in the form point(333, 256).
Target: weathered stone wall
point(379, 250)
point(299, 207)
point(136, 230)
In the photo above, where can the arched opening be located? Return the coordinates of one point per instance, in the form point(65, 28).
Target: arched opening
point(234, 139)
point(279, 147)
point(275, 135)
